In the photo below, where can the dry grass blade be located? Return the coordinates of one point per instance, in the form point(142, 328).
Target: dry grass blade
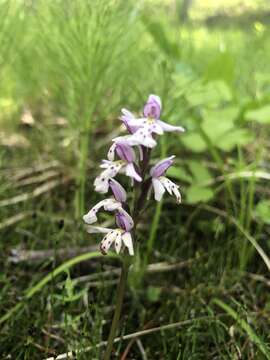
point(20, 173)
point(14, 219)
point(137, 334)
point(19, 255)
point(37, 179)
point(35, 193)
point(242, 230)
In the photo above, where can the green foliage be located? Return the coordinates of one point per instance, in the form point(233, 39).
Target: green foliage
point(246, 328)
point(262, 211)
point(261, 115)
point(81, 61)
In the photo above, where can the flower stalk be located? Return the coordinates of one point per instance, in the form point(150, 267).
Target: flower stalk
point(120, 292)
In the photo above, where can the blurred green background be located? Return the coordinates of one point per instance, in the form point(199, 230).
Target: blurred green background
point(66, 69)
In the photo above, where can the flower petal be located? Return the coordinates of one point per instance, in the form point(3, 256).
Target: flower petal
point(171, 187)
point(101, 184)
point(111, 152)
point(97, 229)
point(156, 128)
point(118, 243)
point(161, 167)
point(152, 108)
point(127, 240)
point(127, 118)
point(127, 139)
point(111, 205)
point(177, 194)
point(118, 191)
point(107, 204)
point(124, 220)
point(125, 152)
point(143, 137)
point(167, 183)
point(131, 172)
point(108, 240)
point(158, 189)
point(170, 128)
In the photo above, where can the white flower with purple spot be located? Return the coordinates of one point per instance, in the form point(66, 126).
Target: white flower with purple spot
point(119, 236)
point(112, 168)
point(141, 129)
point(107, 205)
point(161, 183)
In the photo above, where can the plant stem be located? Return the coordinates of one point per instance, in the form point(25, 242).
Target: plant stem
point(118, 307)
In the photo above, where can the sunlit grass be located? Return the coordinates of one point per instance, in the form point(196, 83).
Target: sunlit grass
point(74, 65)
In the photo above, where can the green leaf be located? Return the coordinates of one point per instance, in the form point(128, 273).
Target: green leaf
point(195, 194)
point(218, 122)
point(179, 174)
point(153, 293)
point(262, 211)
point(211, 94)
point(194, 142)
point(235, 137)
point(261, 115)
point(199, 172)
point(163, 41)
point(221, 67)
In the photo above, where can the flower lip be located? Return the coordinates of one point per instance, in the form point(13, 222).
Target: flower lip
point(119, 237)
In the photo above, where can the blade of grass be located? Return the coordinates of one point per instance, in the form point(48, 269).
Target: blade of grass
point(245, 327)
point(30, 292)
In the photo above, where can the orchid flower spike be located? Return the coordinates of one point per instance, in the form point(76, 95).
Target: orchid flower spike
point(121, 159)
point(119, 236)
point(161, 183)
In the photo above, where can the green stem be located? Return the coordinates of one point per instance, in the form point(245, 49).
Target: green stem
point(118, 308)
point(80, 195)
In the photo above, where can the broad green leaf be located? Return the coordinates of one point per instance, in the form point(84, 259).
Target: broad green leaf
point(194, 142)
point(262, 211)
point(261, 115)
point(199, 172)
point(232, 138)
point(209, 94)
point(179, 174)
point(221, 68)
point(218, 122)
point(195, 194)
